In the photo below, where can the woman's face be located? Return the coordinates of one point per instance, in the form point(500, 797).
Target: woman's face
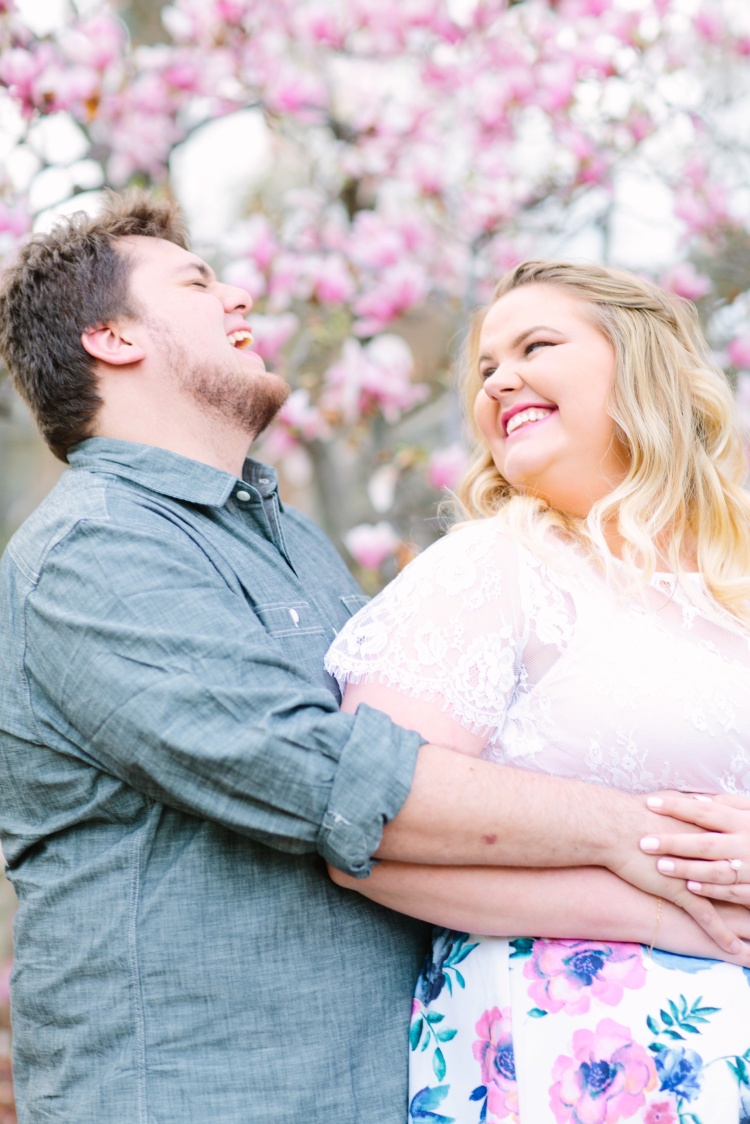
point(547, 373)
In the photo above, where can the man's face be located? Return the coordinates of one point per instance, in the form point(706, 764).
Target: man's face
point(193, 328)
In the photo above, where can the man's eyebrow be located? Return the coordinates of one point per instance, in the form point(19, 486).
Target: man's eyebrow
point(519, 339)
point(197, 266)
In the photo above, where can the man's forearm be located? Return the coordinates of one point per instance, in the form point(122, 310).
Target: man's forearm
point(466, 811)
point(469, 812)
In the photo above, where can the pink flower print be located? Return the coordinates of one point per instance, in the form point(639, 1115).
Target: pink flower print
point(606, 1079)
point(660, 1112)
point(494, 1052)
point(567, 974)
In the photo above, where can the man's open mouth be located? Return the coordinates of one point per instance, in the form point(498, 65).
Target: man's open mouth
point(241, 339)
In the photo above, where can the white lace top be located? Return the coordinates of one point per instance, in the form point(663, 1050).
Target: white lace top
point(563, 675)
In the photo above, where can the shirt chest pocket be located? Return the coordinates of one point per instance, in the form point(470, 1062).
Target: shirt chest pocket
point(288, 618)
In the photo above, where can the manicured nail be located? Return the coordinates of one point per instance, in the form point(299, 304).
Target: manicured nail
point(705, 799)
point(696, 887)
point(649, 843)
point(654, 801)
point(666, 866)
point(735, 947)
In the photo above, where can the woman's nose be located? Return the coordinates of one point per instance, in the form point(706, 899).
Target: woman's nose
point(503, 380)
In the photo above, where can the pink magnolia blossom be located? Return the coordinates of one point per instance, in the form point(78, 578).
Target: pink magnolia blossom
point(709, 24)
point(685, 280)
point(97, 42)
point(20, 70)
point(374, 376)
point(399, 288)
point(246, 276)
point(14, 219)
point(255, 238)
point(297, 92)
point(290, 280)
point(606, 1079)
point(300, 416)
point(494, 1052)
point(374, 243)
point(446, 466)
point(270, 333)
point(738, 352)
point(702, 211)
point(371, 544)
point(332, 280)
point(566, 975)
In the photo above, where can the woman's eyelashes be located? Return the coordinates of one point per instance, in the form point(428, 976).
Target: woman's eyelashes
point(530, 347)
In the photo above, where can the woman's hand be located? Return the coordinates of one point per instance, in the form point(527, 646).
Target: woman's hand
point(716, 863)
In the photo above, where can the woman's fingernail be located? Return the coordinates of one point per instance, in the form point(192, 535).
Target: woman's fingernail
point(649, 843)
point(666, 866)
point(696, 887)
point(735, 947)
point(654, 801)
point(705, 799)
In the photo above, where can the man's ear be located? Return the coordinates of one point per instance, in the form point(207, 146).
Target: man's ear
point(111, 346)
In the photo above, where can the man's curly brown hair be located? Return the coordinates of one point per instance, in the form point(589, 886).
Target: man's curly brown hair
point(62, 284)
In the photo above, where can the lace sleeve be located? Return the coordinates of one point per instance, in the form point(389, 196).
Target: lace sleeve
point(448, 629)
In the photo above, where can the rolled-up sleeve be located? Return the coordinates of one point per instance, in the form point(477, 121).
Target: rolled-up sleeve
point(145, 663)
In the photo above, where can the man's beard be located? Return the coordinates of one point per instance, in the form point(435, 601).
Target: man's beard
point(245, 400)
point(249, 404)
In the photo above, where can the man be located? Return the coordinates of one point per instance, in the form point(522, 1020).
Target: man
point(174, 769)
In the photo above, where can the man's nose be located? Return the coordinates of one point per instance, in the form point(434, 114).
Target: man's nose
point(236, 299)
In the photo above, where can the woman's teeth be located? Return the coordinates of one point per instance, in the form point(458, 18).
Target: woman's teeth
point(523, 416)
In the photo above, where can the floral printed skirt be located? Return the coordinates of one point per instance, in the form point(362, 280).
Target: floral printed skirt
point(577, 1032)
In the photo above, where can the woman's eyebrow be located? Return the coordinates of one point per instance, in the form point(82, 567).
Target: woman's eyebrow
point(530, 332)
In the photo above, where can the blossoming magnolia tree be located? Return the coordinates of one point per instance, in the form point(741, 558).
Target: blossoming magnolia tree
point(418, 148)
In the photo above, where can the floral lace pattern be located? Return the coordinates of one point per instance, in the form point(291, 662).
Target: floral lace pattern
point(558, 672)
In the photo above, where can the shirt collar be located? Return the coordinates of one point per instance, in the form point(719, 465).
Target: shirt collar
point(168, 473)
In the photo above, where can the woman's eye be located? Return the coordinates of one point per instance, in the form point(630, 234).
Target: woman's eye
point(200, 284)
point(537, 343)
point(485, 374)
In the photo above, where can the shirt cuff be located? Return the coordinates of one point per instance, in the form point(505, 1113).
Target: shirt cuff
point(373, 779)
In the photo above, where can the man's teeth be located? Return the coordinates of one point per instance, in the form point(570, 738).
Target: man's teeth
point(241, 339)
point(531, 415)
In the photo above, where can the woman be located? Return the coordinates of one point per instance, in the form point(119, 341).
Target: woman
point(591, 620)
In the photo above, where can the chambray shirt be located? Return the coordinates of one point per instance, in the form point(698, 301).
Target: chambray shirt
point(174, 771)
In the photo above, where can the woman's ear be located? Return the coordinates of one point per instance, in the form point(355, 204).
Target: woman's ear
point(110, 345)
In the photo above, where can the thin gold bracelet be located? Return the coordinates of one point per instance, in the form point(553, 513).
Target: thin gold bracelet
point(647, 960)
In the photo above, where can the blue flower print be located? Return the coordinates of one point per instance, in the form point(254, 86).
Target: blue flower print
point(678, 963)
point(449, 949)
point(679, 1071)
point(432, 977)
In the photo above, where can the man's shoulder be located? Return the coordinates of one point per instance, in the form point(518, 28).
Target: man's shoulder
point(93, 500)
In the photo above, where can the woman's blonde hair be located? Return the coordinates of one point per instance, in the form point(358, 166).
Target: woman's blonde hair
point(674, 415)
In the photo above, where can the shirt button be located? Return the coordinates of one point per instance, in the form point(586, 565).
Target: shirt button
point(243, 497)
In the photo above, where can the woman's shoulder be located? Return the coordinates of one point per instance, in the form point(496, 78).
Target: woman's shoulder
point(474, 540)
